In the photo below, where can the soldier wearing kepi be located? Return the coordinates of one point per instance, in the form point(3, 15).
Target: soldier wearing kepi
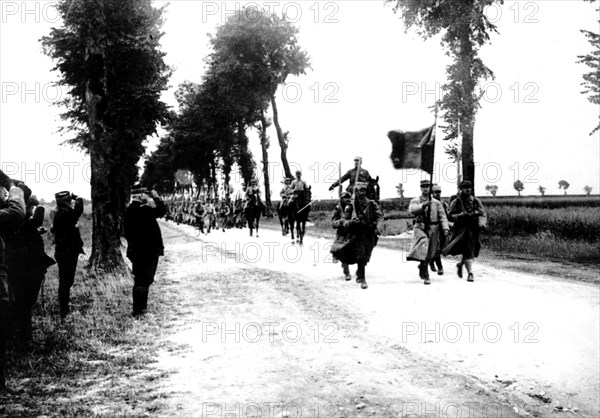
point(426, 242)
point(469, 217)
point(363, 176)
point(298, 186)
point(68, 244)
point(286, 192)
point(436, 191)
point(144, 242)
point(12, 211)
point(339, 216)
point(364, 227)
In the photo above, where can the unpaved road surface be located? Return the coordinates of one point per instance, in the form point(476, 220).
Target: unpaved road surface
point(271, 329)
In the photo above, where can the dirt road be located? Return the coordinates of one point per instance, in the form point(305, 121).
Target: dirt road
point(271, 329)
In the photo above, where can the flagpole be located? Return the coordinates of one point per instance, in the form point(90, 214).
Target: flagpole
point(428, 218)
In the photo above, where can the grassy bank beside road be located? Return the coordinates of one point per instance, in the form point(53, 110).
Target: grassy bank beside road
point(74, 366)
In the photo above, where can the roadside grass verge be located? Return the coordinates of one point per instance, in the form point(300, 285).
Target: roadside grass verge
point(84, 365)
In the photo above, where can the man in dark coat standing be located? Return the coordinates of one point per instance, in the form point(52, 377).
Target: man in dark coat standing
point(68, 244)
point(12, 211)
point(144, 242)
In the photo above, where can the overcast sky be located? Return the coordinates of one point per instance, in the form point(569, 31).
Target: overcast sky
point(367, 78)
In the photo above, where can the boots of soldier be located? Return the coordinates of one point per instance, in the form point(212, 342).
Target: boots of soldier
point(424, 272)
point(440, 267)
point(140, 300)
point(360, 276)
point(144, 299)
point(346, 271)
point(23, 334)
point(469, 266)
point(63, 300)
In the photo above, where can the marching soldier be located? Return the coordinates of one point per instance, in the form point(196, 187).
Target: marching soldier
point(12, 211)
point(209, 215)
point(436, 191)
point(339, 216)
point(469, 217)
point(363, 176)
point(68, 244)
point(199, 214)
point(426, 242)
point(144, 242)
point(364, 226)
point(223, 214)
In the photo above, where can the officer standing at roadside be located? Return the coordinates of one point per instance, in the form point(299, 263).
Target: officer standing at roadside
point(144, 242)
point(68, 244)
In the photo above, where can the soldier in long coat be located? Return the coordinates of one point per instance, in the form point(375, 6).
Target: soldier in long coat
point(144, 242)
point(363, 228)
point(68, 245)
point(339, 216)
point(436, 263)
point(363, 176)
point(469, 217)
point(12, 211)
point(426, 241)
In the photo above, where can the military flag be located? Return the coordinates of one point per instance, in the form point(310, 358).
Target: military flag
point(413, 149)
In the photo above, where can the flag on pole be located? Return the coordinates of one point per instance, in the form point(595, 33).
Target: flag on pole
point(413, 149)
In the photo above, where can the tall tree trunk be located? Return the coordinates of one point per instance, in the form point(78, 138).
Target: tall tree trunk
point(468, 116)
point(107, 195)
point(281, 138)
point(213, 176)
point(264, 143)
point(245, 160)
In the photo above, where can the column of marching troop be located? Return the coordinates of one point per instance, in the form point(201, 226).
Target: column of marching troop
point(439, 228)
point(207, 213)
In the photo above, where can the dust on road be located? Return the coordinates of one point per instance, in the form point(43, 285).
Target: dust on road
point(271, 329)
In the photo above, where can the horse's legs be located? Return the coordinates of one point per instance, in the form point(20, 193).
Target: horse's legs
point(257, 222)
point(292, 228)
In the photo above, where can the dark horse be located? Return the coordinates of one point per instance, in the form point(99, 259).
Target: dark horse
point(252, 213)
point(282, 214)
point(373, 189)
point(298, 210)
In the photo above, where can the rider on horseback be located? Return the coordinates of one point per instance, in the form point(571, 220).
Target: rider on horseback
point(299, 187)
point(363, 176)
point(286, 192)
point(253, 195)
